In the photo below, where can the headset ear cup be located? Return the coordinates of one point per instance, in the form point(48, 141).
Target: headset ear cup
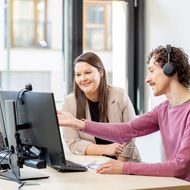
point(170, 69)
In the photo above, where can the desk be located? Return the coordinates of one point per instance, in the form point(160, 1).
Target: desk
point(90, 180)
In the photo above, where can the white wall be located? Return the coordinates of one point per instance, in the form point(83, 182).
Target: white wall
point(2, 25)
point(55, 18)
point(2, 35)
point(119, 46)
point(166, 22)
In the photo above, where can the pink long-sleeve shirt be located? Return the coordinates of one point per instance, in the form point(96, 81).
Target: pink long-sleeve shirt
point(174, 126)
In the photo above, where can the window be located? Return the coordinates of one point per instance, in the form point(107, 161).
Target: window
point(29, 23)
point(97, 25)
point(105, 33)
point(32, 47)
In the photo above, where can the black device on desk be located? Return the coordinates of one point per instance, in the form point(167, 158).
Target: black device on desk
point(37, 130)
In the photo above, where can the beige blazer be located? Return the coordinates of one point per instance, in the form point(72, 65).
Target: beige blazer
point(120, 109)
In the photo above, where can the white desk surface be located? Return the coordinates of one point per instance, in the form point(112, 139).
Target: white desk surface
point(90, 180)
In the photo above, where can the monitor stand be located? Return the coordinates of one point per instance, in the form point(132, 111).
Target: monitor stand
point(10, 169)
point(24, 175)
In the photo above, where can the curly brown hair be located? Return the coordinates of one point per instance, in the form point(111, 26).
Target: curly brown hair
point(177, 56)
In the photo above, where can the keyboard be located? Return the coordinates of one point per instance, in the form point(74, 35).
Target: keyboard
point(70, 167)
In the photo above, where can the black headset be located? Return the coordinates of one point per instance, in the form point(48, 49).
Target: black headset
point(170, 67)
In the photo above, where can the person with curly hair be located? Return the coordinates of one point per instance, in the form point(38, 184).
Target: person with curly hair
point(168, 73)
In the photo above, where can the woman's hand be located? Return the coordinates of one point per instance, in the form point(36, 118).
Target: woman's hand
point(111, 167)
point(66, 119)
point(113, 149)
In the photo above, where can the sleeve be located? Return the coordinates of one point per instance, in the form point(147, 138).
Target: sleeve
point(124, 132)
point(72, 137)
point(178, 167)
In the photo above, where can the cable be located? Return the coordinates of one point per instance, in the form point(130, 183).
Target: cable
point(16, 177)
point(21, 183)
point(4, 166)
point(4, 157)
point(2, 147)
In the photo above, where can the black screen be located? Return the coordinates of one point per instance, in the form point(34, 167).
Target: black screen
point(37, 124)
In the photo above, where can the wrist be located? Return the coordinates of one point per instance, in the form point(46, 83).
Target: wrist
point(80, 124)
point(105, 150)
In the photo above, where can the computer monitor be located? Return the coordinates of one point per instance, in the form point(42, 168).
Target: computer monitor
point(38, 127)
point(3, 135)
point(12, 155)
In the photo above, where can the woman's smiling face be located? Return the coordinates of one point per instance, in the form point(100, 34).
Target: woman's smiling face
point(88, 79)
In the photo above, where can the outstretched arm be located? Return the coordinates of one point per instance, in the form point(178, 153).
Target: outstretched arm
point(117, 132)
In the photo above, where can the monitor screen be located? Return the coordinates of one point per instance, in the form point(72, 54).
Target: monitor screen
point(37, 125)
